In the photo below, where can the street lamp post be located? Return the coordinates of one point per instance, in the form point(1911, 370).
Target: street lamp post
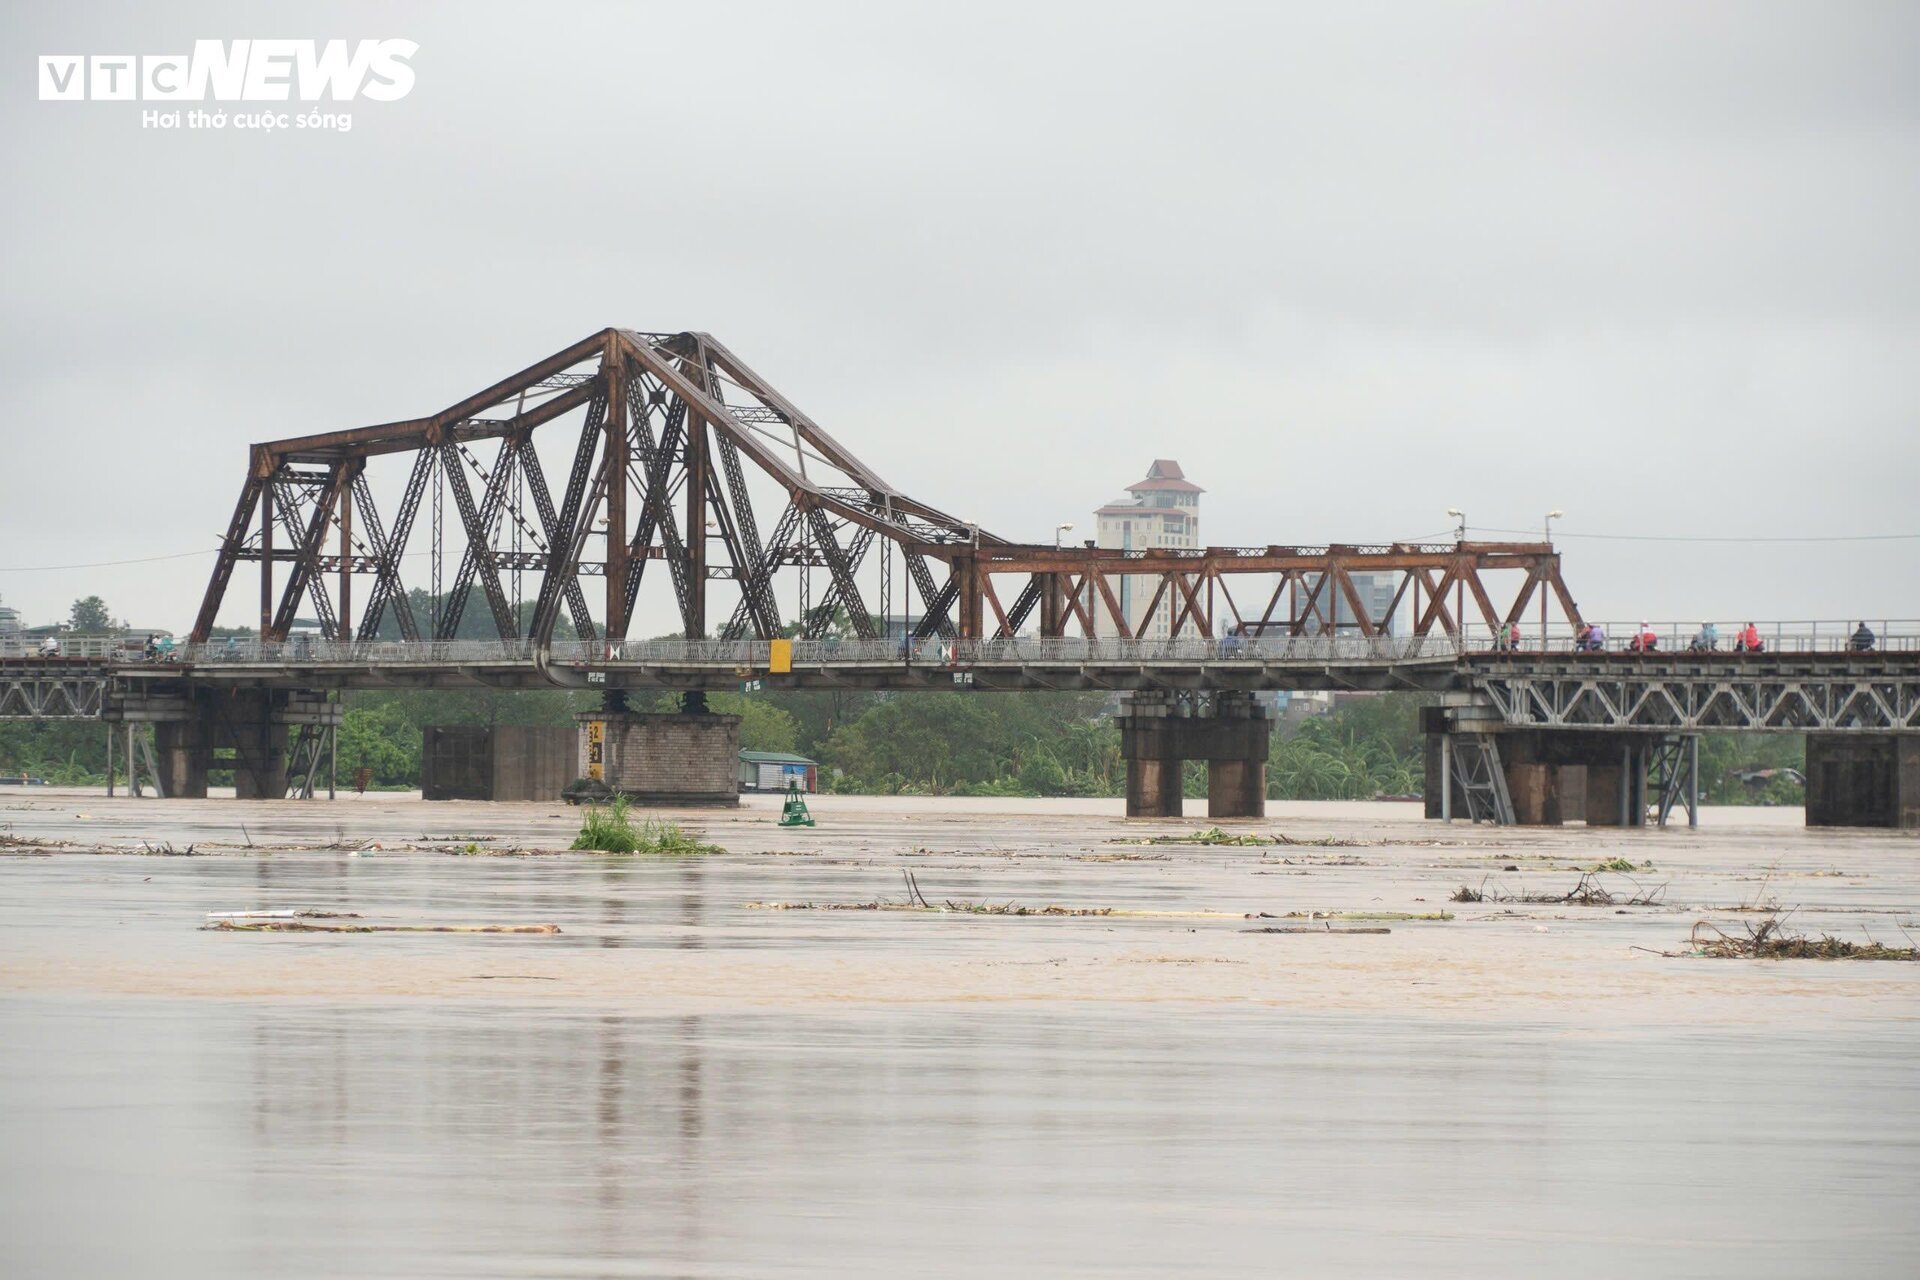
point(1547, 524)
point(972, 579)
point(1460, 593)
point(1066, 527)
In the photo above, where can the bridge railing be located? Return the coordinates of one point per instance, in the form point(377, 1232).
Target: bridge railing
point(1019, 650)
point(1808, 637)
point(306, 650)
point(70, 646)
point(754, 654)
point(1894, 635)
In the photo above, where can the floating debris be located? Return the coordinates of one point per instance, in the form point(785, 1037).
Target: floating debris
point(1588, 892)
point(1328, 929)
point(1215, 836)
point(1769, 941)
point(289, 925)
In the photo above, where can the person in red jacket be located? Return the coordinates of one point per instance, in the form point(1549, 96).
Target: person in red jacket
point(1750, 640)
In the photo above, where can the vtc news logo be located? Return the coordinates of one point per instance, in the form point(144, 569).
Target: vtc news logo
point(235, 71)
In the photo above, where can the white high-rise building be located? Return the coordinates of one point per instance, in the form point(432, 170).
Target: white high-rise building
point(1162, 510)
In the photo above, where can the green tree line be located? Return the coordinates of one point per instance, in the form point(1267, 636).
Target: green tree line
point(1039, 744)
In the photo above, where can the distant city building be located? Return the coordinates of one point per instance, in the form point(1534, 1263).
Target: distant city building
point(9, 620)
point(1162, 510)
point(1376, 596)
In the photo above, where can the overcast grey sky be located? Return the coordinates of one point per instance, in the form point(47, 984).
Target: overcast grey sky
point(1350, 264)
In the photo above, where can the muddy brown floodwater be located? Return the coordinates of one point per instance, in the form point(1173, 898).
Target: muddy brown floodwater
point(684, 1081)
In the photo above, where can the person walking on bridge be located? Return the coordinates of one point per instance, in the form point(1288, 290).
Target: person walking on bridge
point(1862, 641)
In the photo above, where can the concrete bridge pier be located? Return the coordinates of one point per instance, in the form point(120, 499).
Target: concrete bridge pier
point(1160, 732)
point(1550, 776)
point(686, 757)
point(1863, 780)
point(246, 730)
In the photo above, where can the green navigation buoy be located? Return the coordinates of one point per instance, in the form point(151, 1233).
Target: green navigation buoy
point(795, 813)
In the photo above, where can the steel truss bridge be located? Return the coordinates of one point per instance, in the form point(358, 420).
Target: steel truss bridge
point(512, 539)
point(676, 469)
point(633, 466)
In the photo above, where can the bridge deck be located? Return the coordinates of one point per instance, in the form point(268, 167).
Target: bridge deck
point(1791, 691)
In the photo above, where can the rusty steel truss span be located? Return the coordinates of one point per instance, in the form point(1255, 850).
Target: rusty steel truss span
point(1867, 693)
point(667, 450)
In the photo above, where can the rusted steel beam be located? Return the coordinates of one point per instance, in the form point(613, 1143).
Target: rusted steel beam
point(1239, 623)
point(303, 577)
point(478, 559)
point(230, 545)
point(758, 580)
point(388, 589)
point(704, 408)
point(1193, 608)
point(563, 552)
point(266, 556)
point(350, 473)
point(1479, 592)
point(696, 468)
point(550, 530)
point(811, 431)
point(1045, 558)
point(656, 514)
point(1344, 581)
point(934, 601)
point(1120, 624)
point(841, 570)
point(613, 367)
point(1567, 606)
point(417, 429)
point(1079, 608)
point(828, 490)
point(462, 432)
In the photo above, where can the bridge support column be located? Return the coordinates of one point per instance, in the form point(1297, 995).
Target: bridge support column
point(184, 754)
point(1551, 775)
point(688, 757)
point(1160, 732)
point(242, 720)
point(199, 730)
point(1863, 780)
point(1154, 788)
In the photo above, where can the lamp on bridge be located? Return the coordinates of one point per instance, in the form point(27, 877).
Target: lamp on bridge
point(1460, 534)
point(1547, 524)
point(1060, 529)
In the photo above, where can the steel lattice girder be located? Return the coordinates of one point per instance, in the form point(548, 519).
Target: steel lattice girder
point(623, 379)
point(29, 694)
point(1854, 696)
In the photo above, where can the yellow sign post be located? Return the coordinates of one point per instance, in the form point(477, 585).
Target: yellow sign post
point(596, 749)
